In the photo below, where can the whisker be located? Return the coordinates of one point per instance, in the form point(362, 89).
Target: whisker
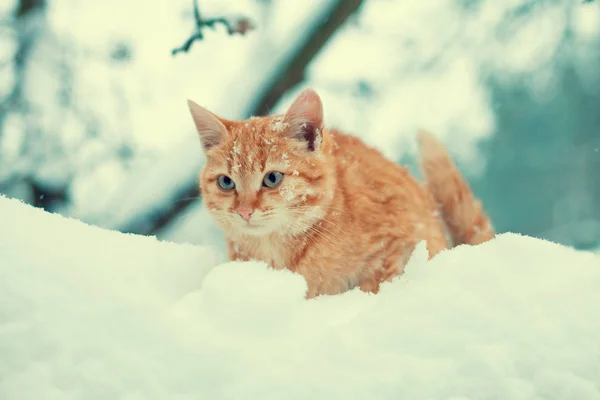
point(338, 227)
point(328, 236)
point(334, 234)
point(312, 239)
point(308, 237)
point(331, 234)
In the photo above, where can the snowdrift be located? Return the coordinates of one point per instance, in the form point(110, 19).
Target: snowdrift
point(87, 313)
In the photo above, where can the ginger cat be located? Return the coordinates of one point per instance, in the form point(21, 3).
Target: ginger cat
point(296, 195)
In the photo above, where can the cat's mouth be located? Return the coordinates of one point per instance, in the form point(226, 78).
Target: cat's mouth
point(255, 228)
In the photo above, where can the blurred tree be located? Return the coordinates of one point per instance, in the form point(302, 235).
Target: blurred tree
point(48, 135)
point(541, 174)
point(27, 25)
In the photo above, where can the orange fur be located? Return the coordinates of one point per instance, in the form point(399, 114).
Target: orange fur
point(343, 215)
point(461, 211)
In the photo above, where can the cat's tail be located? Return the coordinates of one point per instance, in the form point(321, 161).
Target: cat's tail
point(462, 213)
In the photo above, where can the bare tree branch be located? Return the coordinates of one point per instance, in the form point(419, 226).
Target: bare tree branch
point(235, 25)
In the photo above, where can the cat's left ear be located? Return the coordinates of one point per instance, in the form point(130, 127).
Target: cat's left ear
point(305, 119)
point(209, 127)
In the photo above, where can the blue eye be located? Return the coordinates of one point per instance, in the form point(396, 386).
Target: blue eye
point(225, 182)
point(272, 179)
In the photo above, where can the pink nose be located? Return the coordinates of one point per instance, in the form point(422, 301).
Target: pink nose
point(245, 214)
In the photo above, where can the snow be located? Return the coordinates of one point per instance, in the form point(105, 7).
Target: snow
point(278, 125)
point(87, 313)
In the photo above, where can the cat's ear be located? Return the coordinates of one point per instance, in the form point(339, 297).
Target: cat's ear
point(305, 119)
point(211, 130)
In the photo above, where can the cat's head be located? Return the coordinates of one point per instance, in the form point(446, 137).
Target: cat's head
point(268, 174)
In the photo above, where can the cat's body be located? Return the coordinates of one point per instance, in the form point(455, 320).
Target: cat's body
point(370, 220)
point(296, 195)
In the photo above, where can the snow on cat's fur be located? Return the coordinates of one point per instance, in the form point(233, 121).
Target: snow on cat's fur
point(290, 192)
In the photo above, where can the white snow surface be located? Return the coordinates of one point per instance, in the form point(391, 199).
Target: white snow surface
point(87, 313)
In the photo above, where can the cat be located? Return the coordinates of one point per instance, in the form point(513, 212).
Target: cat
point(288, 191)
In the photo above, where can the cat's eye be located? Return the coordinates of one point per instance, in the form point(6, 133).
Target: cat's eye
point(225, 182)
point(272, 179)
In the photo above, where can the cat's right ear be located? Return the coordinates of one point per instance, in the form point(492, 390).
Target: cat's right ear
point(305, 118)
point(210, 129)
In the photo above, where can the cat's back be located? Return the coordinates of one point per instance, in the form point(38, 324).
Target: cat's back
point(365, 167)
point(379, 193)
point(385, 213)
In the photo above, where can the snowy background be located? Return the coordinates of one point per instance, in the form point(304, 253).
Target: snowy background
point(94, 127)
point(94, 124)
